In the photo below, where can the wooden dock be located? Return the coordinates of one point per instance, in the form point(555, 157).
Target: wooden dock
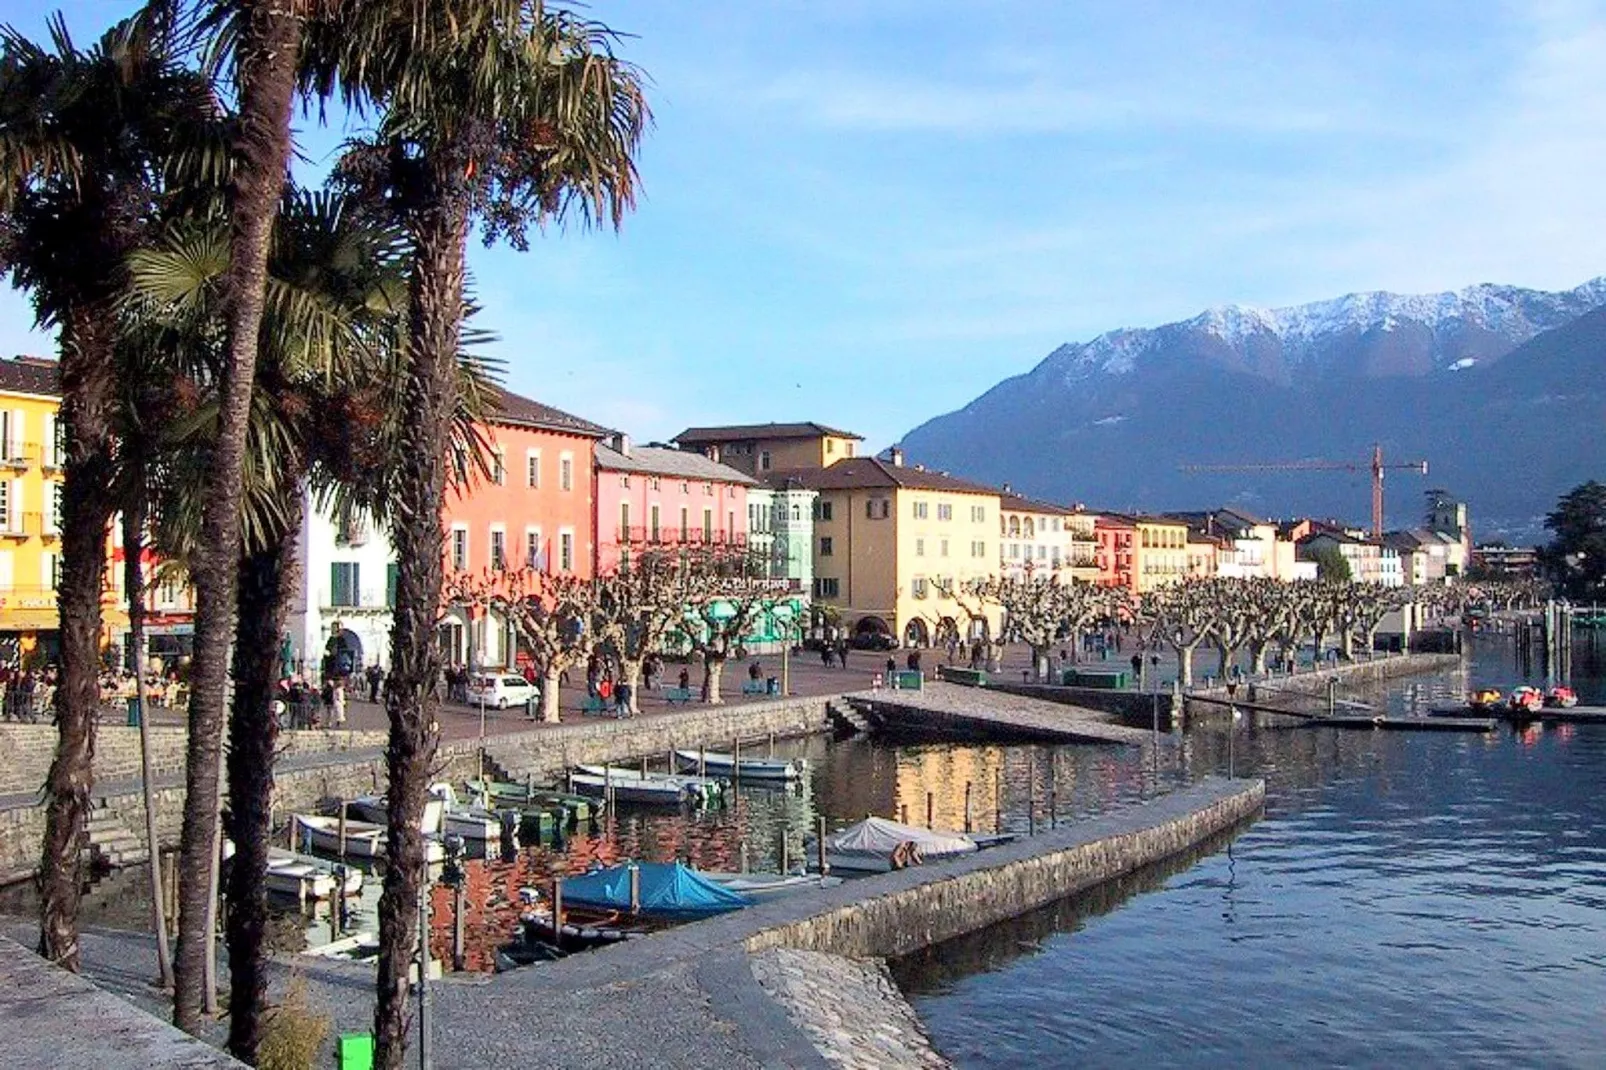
point(1362, 720)
point(1555, 715)
point(977, 713)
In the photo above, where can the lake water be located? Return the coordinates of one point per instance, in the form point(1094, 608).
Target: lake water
point(1409, 899)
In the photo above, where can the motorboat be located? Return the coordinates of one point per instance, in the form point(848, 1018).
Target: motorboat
point(363, 839)
point(303, 877)
point(718, 764)
point(669, 890)
point(474, 825)
point(1486, 698)
point(876, 845)
point(1527, 699)
point(646, 792)
point(703, 789)
point(565, 807)
point(1561, 697)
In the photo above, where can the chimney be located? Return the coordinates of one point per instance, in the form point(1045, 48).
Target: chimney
point(895, 455)
point(1007, 490)
point(620, 443)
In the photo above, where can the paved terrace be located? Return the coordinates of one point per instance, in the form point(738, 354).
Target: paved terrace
point(954, 708)
point(762, 987)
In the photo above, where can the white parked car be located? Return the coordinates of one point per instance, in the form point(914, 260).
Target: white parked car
point(501, 690)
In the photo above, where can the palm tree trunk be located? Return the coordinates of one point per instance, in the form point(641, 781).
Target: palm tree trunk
point(266, 579)
point(440, 233)
point(134, 582)
point(87, 384)
point(268, 52)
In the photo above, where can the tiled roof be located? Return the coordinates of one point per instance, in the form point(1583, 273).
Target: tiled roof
point(868, 473)
point(521, 411)
point(754, 432)
point(1018, 504)
point(31, 375)
point(678, 464)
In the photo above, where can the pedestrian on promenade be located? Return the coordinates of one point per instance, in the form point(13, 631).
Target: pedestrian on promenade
point(842, 653)
point(621, 699)
point(1137, 668)
point(376, 676)
point(685, 680)
point(340, 703)
point(827, 655)
point(755, 671)
point(892, 667)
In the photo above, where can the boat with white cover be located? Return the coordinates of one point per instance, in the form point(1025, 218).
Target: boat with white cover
point(876, 845)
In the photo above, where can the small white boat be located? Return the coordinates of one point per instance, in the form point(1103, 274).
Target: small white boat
point(701, 788)
point(767, 886)
point(876, 845)
point(364, 839)
point(650, 792)
point(719, 764)
point(304, 877)
point(473, 824)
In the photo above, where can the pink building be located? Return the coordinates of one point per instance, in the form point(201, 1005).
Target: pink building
point(656, 494)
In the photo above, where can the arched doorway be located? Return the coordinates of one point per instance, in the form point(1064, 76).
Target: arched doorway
point(915, 633)
point(872, 626)
point(342, 655)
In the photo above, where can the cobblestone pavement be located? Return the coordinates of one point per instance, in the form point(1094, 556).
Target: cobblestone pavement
point(850, 1009)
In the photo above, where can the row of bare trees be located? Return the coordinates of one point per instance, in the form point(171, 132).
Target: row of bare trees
point(1255, 616)
point(227, 341)
point(708, 599)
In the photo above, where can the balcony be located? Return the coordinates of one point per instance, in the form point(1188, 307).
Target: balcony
point(348, 600)
point(675, 536)
point(18, 455)
point(26, 526)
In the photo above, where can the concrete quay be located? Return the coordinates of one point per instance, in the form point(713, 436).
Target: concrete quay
point(956, 710)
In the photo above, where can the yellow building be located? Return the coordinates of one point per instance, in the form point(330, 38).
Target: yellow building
point(1160, 552)
point(30, 514)
point(888, 537)
point(762, 449)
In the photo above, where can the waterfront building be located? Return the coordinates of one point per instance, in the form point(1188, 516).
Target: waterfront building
point(1506, 562)
point(1447, 515)
point(787, 518)
point(1203, 553)
point(760, 449)
point(31, 463)
point(1034, 538)
point(1248, 546)
point(1424, 555)
point(890, 537)
point(534, 509)
point(1082, 527)
point(339, 619)
point(1370, 560)
point(658, 495)
point(1160, 552)
point(1114, 550)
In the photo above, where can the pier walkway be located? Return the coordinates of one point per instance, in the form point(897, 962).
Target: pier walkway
point(1355, 715)
point(953, 709)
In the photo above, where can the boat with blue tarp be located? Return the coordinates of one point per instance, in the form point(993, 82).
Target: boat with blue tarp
point(662, 889)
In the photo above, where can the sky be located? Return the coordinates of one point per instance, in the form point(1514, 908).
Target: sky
point(867, 213)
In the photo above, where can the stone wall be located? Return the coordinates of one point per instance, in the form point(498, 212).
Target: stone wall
point(1132, 708)
point(30, 748)
point(546, 752)
point(1314, 681)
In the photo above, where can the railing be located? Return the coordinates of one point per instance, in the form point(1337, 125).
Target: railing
point(19, 454)
point(34, 597)
point(366, 598)
point(634, 536)
point(28, 525)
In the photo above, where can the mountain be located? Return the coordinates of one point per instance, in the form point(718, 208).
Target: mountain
point(1501, 389)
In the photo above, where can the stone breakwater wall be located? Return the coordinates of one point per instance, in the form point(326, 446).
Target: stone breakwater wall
point(30, 748)
point(1132, 708)
point(546, 752)
point(1350, 674)
point(913, 908)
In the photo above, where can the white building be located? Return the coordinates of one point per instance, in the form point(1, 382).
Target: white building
point(340, 618)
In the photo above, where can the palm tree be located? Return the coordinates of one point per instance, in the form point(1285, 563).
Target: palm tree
point(87, 139)
point(501, 111)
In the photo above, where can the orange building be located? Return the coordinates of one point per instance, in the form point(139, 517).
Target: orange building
point(534, 510)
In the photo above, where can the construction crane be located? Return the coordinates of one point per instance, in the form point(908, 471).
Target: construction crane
point(1376, 466)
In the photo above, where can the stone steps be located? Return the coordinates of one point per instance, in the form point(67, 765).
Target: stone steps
point(845, 718)
point(113, 844)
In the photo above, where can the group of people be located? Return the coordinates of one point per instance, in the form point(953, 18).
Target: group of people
point(297, 704)
point(834, 652)
point(28, 694)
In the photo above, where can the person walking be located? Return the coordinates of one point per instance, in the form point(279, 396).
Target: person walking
point(621, 699)
point(339, 703)
point(376, 676)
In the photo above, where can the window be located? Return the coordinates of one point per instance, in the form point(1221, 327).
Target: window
point(920, 547)
point(5, 505)
point(764, 460)
point(624, 521)
point(624, 481)
point(534, 559)
point(50, 564)
point(978, 549)
point(499, 467)
point(459, 549)
point(1042, 553)
point(52, 441)
point(685, 486)
point(343, 584)
point(708, 490)
point(917, 587)
point(685, 523)
point(830, 445)
point(392, 578)
point(1014, 551)
point(566, 551)
point(849, 448)
point(945, 511)
point(877, 508)
point(532, 469)
point(566, 472)
point(53, 509)
point(920, 510)
point(825, 510)
point(826, 546)
point(708, 525)
point(652, 482)
point(730, 523)
point(942, 548)
point(978, 514)
point(652, 527)
point(827, 588)
point(498, 549)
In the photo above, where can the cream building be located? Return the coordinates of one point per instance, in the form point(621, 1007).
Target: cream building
point(888, 537)
point(760, 450)
point(1038, 538)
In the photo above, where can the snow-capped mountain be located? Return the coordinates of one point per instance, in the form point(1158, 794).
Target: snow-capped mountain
point(1501, 389)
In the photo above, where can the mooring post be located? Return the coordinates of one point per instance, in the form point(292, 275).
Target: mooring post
point(1031, 806)
point(426, 1042)
point(786, 853)
point(1053, 807)
point(459, 908)
point(928, 809)
point(967, 807)
point(825, 867)
point(1332, 696)
point(702, 761)
point(342, 828)
point(557, 908)
point(736, 760)
point(743, 854)
point(635, 886)
point(334, 916)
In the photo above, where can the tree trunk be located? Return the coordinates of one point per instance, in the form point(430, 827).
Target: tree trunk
point(87, 382)
point(134, 582)
point(1257, 655)
point(1185, 664)
point(549, 694)
point(713, 671)
point(268, 52)
point(439, 228)
point(266, 580)
point(1040, 653)
point(1346, 643)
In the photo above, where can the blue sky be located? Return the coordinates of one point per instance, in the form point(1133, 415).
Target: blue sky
point(867, 213)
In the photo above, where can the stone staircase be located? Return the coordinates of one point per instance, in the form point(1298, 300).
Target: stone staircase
point(112, 844)
point(844, 718)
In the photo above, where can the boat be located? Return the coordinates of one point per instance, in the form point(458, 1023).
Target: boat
point(702, 789)
point(307, 878)
point(652, 889)
point(563, 806)
point(766, 886)
point(1486, 698)
point(472, 824)
point(583, 929)
point(876, 845)
point(364, 839)
point(1527, 699)
point(718, 764)
point(647, 792)
point(1561, 697)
